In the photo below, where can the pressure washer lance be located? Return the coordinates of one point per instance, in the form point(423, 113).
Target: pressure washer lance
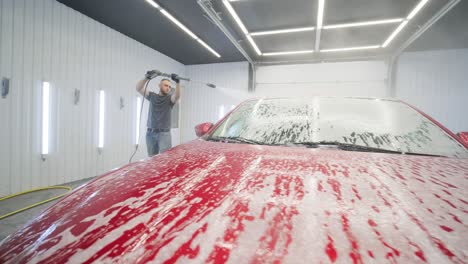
point(157, 73)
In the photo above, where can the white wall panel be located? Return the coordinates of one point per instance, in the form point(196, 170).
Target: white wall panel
point(45, 40)
point(362, 78)
point(201, 104)
point(437, 83)
point(6, 70)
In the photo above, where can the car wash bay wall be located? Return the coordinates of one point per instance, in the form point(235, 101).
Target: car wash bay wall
point(43, 40)
point(360, 78)
point(437, 83)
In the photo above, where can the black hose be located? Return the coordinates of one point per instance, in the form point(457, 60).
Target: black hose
point(139, 122)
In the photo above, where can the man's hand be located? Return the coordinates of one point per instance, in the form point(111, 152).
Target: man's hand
point(151, 74)
point(175, 78)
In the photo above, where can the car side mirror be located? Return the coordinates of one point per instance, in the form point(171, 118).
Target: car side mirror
point(203, 128)
point(463, 136)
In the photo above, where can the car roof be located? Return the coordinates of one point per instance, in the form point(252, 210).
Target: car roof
point(337, 97)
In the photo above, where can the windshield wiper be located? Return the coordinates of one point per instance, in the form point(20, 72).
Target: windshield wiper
point(352, 147)
point(236, 140)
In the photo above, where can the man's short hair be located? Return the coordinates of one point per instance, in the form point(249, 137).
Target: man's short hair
point(164, 79)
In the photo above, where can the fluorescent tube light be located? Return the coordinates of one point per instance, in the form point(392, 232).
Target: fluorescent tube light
point(208, 48)
point(417, 9)
point(351, 48)
point(252, 43)
point(221, 112)
point(235, 16)
point(366, 23)
point(281, 31)
point(321, 8)
point(188, 31)
point(138, 113)
point(318, 32)
point(180, 25)
point(154, 4)
point(393, 35)
point(45, 117)
point(102, 97)
point(288, 53)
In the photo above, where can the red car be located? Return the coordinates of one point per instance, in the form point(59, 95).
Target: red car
point(320, 180)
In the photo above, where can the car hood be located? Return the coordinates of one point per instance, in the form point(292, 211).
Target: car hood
point(218, 202)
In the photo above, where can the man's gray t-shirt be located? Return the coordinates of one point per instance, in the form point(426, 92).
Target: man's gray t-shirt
point(159, 112)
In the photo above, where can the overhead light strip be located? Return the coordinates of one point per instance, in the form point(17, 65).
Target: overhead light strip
point(282, 31)
point(254, 45)
point(417, 9)
point(235, 16)
point(241, 26)
point(411, 15)
point(154, 4)
point(366, 23)
point(288, 53)
point(321, 9)
point(351, 48)
point(346, 25)
point(209, 48)
point(395, 33)
point(182, 26)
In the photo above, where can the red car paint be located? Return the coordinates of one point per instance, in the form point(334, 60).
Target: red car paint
point(464, 137)
point(212, 202)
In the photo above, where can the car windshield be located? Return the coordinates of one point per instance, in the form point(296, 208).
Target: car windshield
point(374, 123)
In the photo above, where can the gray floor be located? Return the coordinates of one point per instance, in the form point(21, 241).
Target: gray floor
point(10, 224)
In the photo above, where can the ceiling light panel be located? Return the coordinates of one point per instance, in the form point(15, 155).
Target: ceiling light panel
point(281, 42)
point(354, 36)
point(319, 26)
point(182, 26)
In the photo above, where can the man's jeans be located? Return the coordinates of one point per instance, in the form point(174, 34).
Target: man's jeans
point(158, 142)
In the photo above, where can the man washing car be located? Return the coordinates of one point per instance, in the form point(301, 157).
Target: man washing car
point(158, 134)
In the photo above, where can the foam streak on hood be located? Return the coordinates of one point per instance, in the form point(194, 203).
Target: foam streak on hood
point(236, 203)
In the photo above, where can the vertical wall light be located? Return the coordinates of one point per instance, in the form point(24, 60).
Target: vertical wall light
point(45, 119)
point(221, 112)
point(138, 116)
point(102, 101)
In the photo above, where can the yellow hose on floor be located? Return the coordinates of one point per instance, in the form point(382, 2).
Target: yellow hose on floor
point(36, 204)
